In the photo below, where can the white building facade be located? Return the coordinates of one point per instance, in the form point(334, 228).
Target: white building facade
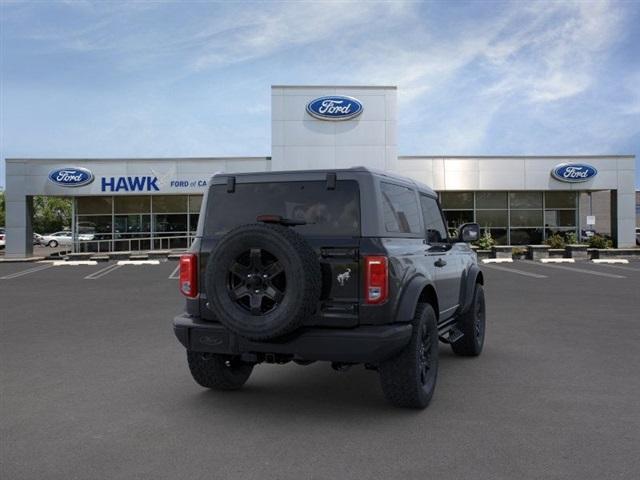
point(136, 203)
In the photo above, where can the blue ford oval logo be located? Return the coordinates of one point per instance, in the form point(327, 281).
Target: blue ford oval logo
point(574, 172)
point(334, 107)
point(71, 177)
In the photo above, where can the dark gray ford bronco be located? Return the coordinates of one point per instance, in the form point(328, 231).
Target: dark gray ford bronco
point(347, 266)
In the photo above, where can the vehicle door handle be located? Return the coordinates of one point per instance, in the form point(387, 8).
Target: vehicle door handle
point(440, 263)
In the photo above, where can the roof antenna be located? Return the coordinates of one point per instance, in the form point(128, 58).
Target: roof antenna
point(332, 179)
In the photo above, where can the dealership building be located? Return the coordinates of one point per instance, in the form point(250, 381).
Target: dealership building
point(142, 203)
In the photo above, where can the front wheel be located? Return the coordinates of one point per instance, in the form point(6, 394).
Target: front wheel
point(472, 325)
point(409, 378)
point(53, 244)
point(218, 372)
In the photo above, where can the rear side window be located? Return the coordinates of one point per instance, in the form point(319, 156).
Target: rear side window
point(400, 209)
point(327, 212)
point(433, 223)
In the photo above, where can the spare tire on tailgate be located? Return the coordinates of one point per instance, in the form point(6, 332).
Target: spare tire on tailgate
point(262, 281)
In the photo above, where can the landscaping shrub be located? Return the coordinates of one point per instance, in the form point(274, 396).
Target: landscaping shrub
point(486, 241)
point(598, 241)
point(555, 241)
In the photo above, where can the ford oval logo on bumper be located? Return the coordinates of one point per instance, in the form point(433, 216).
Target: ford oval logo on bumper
point(334, 107)
point(574, 172)
point(71, 177)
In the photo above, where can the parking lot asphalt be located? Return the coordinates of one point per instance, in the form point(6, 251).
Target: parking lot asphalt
point(95, 386)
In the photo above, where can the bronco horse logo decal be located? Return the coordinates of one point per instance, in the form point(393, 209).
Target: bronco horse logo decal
point(343, 277)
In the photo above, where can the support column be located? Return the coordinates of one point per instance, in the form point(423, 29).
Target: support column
point(623, 218)
point(18, 229)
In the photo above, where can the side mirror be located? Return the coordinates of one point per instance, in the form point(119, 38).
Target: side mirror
point(469, 232)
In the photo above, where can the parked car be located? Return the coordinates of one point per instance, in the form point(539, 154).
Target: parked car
point(57, 238)
point(38, 239)
point(63, 238)
point(347, 266)
point(585, 235)
point(2, 240)
point(637, 236)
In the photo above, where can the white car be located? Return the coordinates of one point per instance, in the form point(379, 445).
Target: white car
point(2, 240)
point(62, 238)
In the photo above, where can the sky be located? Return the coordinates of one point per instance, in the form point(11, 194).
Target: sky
point(111, 79)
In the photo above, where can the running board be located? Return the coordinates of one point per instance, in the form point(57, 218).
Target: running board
point(452, 335)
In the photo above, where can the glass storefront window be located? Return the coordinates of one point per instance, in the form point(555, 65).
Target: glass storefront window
point(491, 200)
point(457, 200)
point(525, 200)
point(133, 204)
point(130, 224)
point(560, 218)
point(93, 205)
point(164, 223)
point(193, 222)
point(169, 204)
point(526, 236)
point(560, 199)
point(492, 218)
point(92, 224)
point(526, 218)
point(195, 201)
point(499, 235)
point(455, 218)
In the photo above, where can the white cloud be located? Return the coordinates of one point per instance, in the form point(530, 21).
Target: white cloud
point(253, 34)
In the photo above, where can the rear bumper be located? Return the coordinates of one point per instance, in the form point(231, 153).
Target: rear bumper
point(366, 344)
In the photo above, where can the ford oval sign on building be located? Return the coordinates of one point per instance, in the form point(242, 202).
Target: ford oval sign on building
point(71, 177)
point(334, 107)
point(574, 172)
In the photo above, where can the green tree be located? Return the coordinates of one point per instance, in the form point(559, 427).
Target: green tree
point(51, 214)
point(2, 214)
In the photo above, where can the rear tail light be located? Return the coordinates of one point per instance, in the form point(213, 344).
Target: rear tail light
point(376, 279)
point(189, 275)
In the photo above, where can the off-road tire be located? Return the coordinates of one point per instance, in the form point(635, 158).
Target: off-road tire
point(472, 325)
point(402, 379)
point(218, 372)
point(301, 268)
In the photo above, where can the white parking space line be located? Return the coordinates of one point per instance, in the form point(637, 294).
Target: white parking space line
point(174, 275)
point(625, 267)
point(581, 270)
point(139, 262)
point(102, 272)
point(26, 272)
point(73, 263)
point(497, 260)
point(514, 270)
point(610, 260)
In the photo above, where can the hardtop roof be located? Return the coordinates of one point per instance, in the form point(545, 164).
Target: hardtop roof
point(302, 173)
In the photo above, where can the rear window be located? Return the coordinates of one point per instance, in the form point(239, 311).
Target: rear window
point(327, 212)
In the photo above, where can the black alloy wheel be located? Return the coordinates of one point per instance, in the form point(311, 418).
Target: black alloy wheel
point(425, 359)
point(262, 281)
point(256, 281)
point(472, 324)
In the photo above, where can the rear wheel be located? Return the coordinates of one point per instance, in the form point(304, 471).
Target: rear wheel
point(218, 372)
point(472, 325)
point(409, 378)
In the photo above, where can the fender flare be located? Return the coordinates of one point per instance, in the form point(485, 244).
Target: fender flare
point(409, 299)
point(467, 287)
